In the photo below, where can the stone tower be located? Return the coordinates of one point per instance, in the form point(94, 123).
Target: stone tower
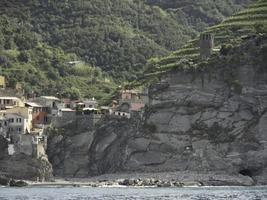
point(206, 44)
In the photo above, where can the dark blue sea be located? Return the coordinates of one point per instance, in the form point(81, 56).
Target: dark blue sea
point(203, 193)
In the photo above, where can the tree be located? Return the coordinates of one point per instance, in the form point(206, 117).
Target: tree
point(23, 57)
point(72, 93)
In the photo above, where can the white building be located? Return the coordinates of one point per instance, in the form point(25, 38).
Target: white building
point(10, 102)
point(90, 103)
point(19, 122)
point(50, 102)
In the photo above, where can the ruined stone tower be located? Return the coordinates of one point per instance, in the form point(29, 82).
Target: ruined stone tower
point(206, 44)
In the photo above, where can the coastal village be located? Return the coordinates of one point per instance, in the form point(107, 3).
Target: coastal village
point(23, 120)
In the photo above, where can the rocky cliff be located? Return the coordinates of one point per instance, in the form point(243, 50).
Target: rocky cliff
point(210, 121)
point(22, 166)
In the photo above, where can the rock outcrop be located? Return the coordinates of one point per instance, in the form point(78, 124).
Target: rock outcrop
point(208, 122)
point(3, 147)
point(21, 166)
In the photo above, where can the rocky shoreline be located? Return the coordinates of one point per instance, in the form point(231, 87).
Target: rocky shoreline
point(171, 179)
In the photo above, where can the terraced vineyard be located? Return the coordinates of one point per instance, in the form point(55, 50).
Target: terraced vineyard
point(244, 24)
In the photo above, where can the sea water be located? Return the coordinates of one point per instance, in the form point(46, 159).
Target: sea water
point(202, 193)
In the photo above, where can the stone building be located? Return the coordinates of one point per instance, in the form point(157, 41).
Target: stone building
point(206, 44)
point(133, 100)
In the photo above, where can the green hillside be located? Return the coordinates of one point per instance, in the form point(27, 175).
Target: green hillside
point(202, 13)
point(42, 69)
point(116, 35)
point(111, 40)
point(231, 32)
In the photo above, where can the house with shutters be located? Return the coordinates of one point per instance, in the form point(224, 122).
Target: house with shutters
point(10, 102)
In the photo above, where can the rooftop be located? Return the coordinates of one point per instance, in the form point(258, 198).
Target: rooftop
point(50, 98)
point(67, 110)
point(10, 98)
point(33, 104)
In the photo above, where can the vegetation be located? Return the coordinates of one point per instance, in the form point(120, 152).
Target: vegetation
point(43, 69)
point(117, 35)
point(231, 32)
point(111, 39)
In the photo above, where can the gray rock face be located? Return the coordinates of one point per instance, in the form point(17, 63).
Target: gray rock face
point(215, 123)
point(22, 166)
point(25, 167)
point(3, 147)
point(69, 153)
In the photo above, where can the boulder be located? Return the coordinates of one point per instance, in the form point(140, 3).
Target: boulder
point(20, 183)
point(29, 168)
point(4, 180)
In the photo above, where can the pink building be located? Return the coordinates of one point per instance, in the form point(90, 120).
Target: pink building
point(132, 100)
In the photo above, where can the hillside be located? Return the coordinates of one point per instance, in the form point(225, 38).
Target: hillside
point(202, 13)
point(206, 120)
point(42, 69)
point(231, 32)
point(117, 36)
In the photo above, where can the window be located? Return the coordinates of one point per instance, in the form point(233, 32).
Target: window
point(11, 120)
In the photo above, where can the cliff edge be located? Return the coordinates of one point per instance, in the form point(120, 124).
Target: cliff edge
point(208, 123)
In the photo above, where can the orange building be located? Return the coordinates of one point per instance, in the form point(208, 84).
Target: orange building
point(39, 114)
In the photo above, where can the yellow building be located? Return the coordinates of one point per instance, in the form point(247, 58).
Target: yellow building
point(10, 102)
point(2, 82)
